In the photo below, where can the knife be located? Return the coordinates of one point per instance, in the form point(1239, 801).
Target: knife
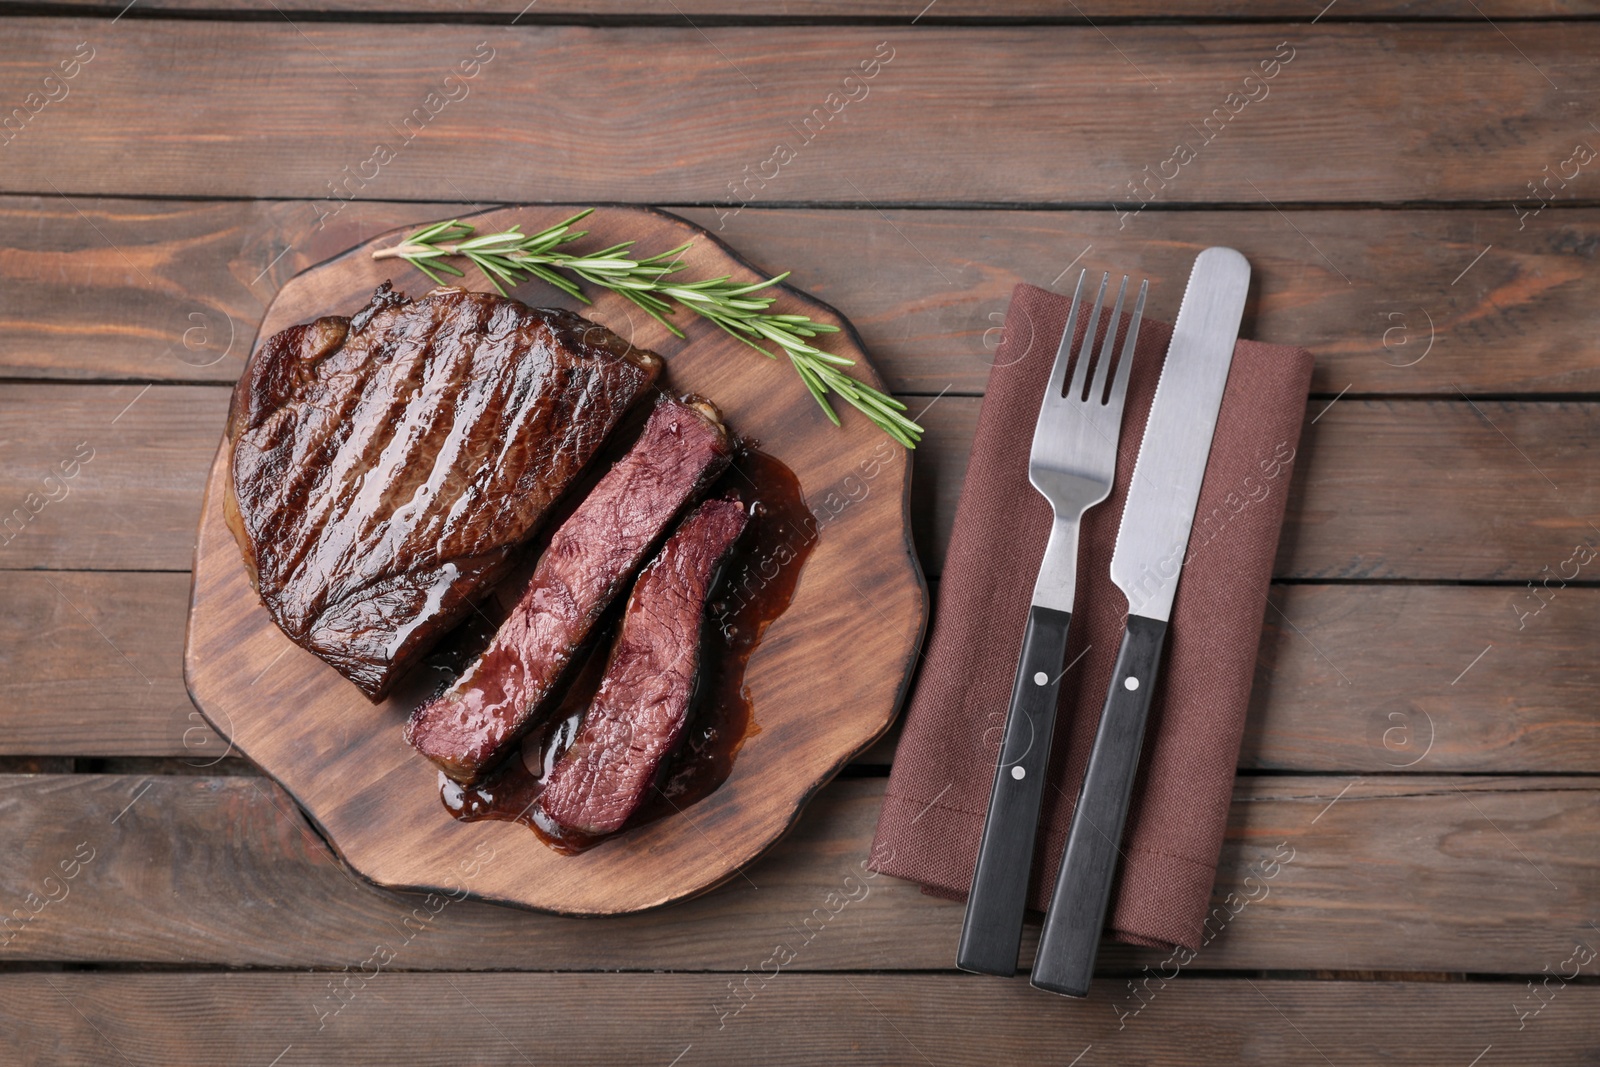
point(1146, 565)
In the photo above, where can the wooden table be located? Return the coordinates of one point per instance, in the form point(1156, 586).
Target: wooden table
point(1422, 732)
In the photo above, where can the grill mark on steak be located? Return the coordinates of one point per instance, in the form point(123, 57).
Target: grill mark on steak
point(470, 727)
point(384, 467)
point(638, 715)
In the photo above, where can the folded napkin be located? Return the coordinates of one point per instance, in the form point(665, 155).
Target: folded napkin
point(939, 788)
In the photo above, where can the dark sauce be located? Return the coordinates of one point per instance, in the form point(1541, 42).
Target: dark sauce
point(756, 585)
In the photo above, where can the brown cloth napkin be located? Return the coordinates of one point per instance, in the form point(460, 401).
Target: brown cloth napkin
point(939, 787)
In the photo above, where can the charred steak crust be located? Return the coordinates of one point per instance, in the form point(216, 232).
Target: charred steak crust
point(638, 715)
point(470, 727)
point(385, 466)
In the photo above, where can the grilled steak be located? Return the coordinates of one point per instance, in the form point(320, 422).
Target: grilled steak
point(638, 715)
point(475, 723)
point(385, 466)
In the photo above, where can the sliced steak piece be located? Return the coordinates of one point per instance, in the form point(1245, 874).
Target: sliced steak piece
point(385, 466)
point(470, 727)
point(638, 715)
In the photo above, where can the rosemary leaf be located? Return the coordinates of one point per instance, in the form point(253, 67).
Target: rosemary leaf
point(742, 310)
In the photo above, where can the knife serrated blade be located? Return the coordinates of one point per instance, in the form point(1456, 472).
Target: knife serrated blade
point(1165, 487)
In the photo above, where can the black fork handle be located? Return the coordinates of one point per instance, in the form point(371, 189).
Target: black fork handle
point(991, 934)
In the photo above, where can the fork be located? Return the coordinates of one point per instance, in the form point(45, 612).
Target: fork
point(1072, 463)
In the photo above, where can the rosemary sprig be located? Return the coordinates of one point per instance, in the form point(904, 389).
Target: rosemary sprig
point(508, 257)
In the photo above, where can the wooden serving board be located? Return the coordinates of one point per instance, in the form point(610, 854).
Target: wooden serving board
point(824, 683)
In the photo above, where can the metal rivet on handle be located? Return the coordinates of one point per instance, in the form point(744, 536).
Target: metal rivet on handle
point(1018, 773)
point(1131, 683)
point(1040, 678)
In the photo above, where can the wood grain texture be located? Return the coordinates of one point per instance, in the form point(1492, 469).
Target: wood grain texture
point(1418, 699)
point(1380, 874)
point(93, 666)
point(1392, 678)
point(1384, 489)
point(801, 1020)
point(161, 291)
point(141, 456)
point(1440, 112)
point(1371, 480)
point(177, 287)
point(377, 800)
point(1526, 706)
point(1455, 489)
point(1389, 302)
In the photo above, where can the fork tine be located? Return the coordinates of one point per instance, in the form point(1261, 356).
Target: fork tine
point(1100, 387)
point(1119, 387)
point(1080, 373)
point(1058, 372)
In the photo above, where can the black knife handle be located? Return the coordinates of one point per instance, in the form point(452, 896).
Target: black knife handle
point(991, 934)
point(1071, 935)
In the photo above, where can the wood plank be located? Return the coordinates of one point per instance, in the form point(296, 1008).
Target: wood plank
point(1440, 679)
point(1104, 12)
point(1373, 478)
point(1442, 112)
point(1414, 679)
point(104, 477)
point(93, 666)
point(877, 1019)
point(1513, 482)
point(1393, 309)
point(1525, 706)
point(178, 287)
point(1375, 874)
